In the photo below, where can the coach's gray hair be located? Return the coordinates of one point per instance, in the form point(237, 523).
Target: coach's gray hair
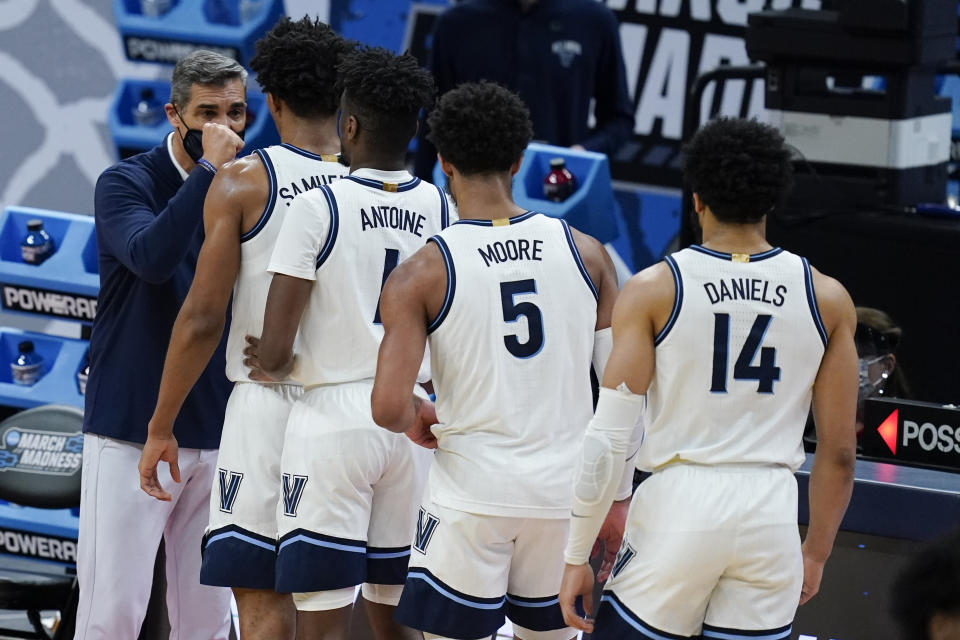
point(206, 68)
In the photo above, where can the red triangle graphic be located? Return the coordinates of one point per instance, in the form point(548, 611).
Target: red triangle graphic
point(888, 431)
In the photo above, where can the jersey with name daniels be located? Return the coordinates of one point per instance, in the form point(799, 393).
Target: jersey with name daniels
point(736, 361)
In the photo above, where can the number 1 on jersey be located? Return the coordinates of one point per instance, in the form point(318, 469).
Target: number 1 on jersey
point(390, 262)
point(766, 373)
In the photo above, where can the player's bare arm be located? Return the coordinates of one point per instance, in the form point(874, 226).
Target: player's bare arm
point(411, 297)
point(834, 411)
point(235, 192)
point(270, 357)
point(602, 272)
point(640, 311)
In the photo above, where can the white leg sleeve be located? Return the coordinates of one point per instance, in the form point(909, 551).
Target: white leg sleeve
point(600, 467)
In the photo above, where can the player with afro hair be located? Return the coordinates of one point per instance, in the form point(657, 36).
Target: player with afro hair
point(480, 128)
point(296, 62)
point(740, 169)
point(382, 94)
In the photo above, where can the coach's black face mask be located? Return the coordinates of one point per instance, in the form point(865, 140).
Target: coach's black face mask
point(193, 139)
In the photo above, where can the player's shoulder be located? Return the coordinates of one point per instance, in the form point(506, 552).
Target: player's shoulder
point(654, 284)
point(241, 178)
point(422, 271)
point(833, 300)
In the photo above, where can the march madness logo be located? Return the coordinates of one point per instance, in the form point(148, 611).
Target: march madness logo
point(916, 432)
point(37, 451)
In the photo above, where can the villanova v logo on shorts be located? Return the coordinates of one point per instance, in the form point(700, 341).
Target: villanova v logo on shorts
point(229, 487)
point(292, 492)
point(426, 525)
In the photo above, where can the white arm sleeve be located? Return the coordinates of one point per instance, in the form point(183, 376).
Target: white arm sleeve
point(602, 346)
point(625, 488)
point(600, 467)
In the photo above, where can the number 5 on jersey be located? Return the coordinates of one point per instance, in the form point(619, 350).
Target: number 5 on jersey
point(513, 310)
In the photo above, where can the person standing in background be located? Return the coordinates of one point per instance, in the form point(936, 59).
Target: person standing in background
point(560, 56)
point(148, 211)
point(295, 63)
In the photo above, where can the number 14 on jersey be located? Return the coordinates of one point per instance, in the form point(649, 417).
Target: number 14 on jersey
point(765, 373)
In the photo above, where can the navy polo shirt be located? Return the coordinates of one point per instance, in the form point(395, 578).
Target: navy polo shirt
point(557, 56)
point(149, 232)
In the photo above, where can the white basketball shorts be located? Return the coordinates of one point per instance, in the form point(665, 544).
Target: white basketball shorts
point(239, 546)
point(711, 550)
point(350, 494)
point(468, 571)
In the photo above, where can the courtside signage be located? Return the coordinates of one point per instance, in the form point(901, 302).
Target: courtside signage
point(46, 302)
point(910, 432)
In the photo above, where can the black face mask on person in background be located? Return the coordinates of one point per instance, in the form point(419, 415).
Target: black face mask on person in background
point(193, 140)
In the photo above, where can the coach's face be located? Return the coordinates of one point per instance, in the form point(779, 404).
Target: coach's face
point(226, 105)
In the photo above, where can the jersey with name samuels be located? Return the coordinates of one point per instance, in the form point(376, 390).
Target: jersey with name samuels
point(735, 362)
point(291, 172)
point(510, 356)
point(348, 237)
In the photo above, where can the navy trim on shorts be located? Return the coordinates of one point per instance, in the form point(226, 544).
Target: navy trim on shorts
point(379, 184)
point(723, 633)
point(677, 300)
point(310, 561)
point(430, 605)
point(536, 614)
point(812, 301)
point(387, 565)
point(271, 200)
point(615, 621)
point(334, 226)
point(489, 223)
point(236, 557)
point(444, 209)
point(579, 260)
point(451, 283)
point(754, 257)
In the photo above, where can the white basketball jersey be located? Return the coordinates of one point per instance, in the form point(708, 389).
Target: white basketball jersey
point(371, 221)
point(510, 357)
point(736, 362)
point(291, 172)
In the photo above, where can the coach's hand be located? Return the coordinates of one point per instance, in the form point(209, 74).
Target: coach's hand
point(610, 537)
point(155, 450)
point(221, 144)
point(812, 574)
point(426, 417)
point(577, 581)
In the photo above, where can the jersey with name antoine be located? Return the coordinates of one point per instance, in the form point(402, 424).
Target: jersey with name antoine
point(291, 172)
point(736, 361)
point(510, 356)
point(349, 237)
